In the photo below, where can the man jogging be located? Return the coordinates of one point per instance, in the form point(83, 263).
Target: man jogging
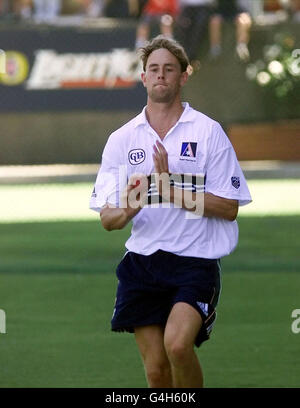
point(172, 171)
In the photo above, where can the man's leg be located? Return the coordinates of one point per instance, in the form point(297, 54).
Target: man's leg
point(142, 35)
point(243, 25)
point(150, 340)
point(166, 26)
point(183, 324)
point(215, 32)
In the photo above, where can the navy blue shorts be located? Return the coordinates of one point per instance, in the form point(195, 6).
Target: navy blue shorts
point(228, 11)
point(149, 286)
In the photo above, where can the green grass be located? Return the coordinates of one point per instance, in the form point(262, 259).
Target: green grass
point(57, 287)
point(51, 202)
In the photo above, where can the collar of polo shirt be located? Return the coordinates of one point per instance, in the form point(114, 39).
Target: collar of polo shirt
point(188, 115)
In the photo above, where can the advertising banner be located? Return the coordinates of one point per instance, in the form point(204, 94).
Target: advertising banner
point(60, 69)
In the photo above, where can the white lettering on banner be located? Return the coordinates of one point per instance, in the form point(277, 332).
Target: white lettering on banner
point(119, 68)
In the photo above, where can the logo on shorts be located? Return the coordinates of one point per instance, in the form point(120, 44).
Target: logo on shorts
point(188, 149)
point(235, 181)
point(203, 307)
point(136, 156)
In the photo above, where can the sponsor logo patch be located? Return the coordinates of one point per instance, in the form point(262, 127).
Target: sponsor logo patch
point(188, 149)
point(136, 156)
point(235, 181)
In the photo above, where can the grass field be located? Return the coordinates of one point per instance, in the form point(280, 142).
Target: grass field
point(57, 287)
point(50, 202)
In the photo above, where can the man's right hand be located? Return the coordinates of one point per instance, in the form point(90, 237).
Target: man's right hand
point(135, 194)
point(133, 198)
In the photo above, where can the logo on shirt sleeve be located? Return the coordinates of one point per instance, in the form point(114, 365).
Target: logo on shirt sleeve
point(136, 156)
point(235, 181)
point(188, 149)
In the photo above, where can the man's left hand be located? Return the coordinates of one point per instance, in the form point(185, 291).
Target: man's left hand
point(161, 166)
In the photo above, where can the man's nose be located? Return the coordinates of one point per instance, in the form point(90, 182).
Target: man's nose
point(161, 73)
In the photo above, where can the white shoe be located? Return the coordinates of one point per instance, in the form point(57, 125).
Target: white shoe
point(242, 52)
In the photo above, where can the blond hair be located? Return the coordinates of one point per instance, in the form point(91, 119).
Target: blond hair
point(169, 44)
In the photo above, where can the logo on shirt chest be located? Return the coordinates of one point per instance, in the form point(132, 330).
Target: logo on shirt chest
point(136, 156)
point(188, 151)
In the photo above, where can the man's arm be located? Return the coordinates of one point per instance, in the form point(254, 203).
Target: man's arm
point(113, 218)
point(215, 206)
point(133, 198)
point(204, 204)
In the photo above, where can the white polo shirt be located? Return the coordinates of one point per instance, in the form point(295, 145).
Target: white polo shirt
point(196, 144)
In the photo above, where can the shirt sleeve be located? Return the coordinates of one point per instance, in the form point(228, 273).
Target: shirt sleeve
point(111, 178)
point(224, 176)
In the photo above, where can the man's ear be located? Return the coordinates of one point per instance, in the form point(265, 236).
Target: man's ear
point(143, 76)
point(184, 78)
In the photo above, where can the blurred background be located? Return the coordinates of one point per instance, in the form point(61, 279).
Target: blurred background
point(69, 76)
point(73, 75)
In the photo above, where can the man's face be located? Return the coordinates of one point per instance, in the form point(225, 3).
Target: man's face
point(163, 77)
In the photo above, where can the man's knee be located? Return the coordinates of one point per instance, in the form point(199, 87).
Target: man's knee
point(178, 352)
point(244, 20)
point(158, 375)
point(215, 20)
